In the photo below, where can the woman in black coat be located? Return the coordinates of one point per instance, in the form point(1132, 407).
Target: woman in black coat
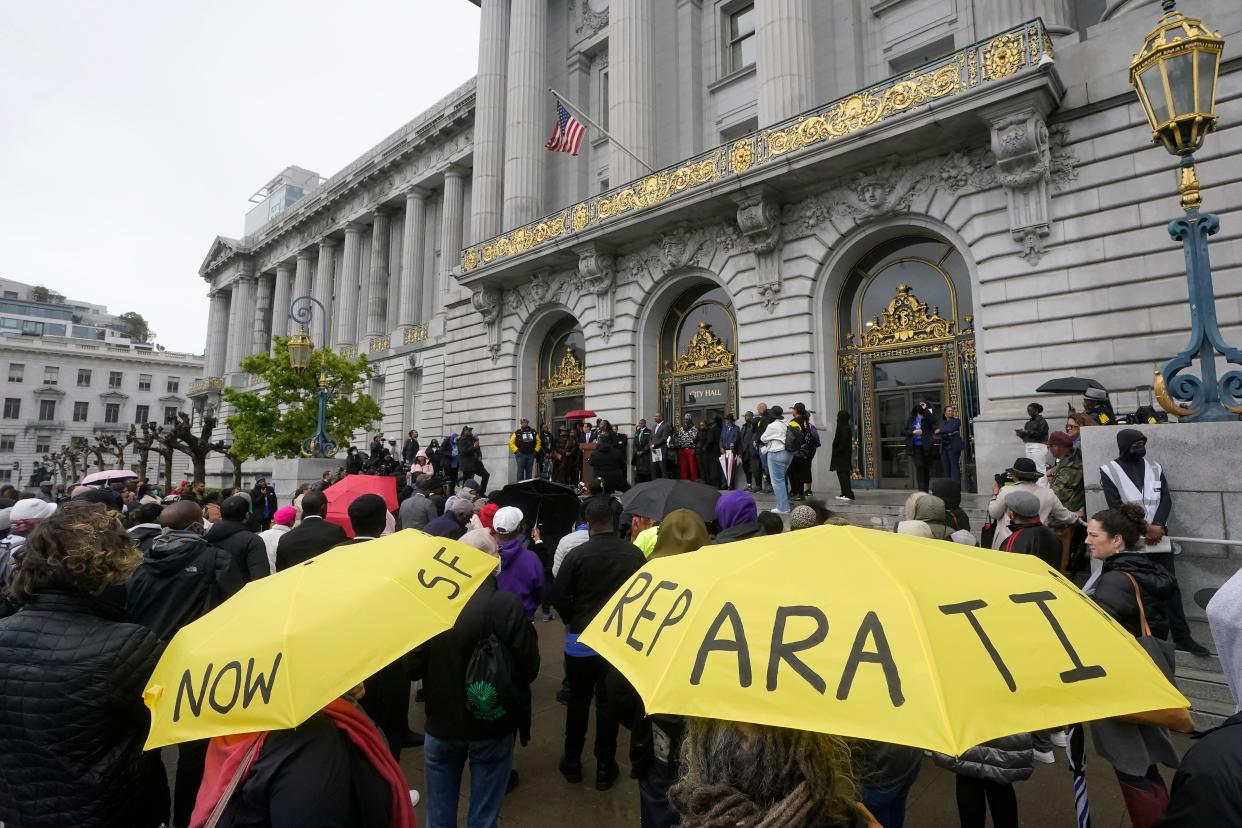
point(72, 721)
point(920, 443)
point(843, 455)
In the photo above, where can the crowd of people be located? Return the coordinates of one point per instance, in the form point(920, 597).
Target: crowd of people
point(94, 588)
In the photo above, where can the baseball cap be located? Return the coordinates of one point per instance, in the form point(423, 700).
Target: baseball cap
point(507, 520)
point(31, 509)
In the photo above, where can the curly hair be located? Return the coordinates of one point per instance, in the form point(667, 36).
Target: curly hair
point(82, 548)
point(1129, 520)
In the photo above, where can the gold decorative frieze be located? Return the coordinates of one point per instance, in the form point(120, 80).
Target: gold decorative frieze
point(348, 351)
point(202, 386)
point(979, 64)
point(906, 320)
point(569, 374)
point(415, 333)
point(379, 343)
point(705, 352)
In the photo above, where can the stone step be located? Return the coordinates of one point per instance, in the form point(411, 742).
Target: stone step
point(1204, 663)
point(1200, 692)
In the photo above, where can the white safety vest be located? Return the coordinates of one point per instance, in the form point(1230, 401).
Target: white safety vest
point(1149, 498)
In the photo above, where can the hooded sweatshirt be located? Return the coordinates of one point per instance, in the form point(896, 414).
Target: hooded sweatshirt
point(930, 510)
point(1135, 468)
point(737, 516)
point(181, 578)
point(521, 572)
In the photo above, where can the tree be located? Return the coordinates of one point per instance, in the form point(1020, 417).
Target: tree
point(40, 294)
point(237, 466)
point(137, 326)
point(275, 420)
point(76, 453)
point(146, 442)
point(59, 461)
point(197, 444)
point(115, 446)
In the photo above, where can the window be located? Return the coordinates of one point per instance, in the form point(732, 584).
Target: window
point(144, 382)
point(921, 56)
point(603, 99)
point(8, 442)
point(84, 378)
point(170, 414)
point(174, 385)
point(740, 48)
point(603, 185)
point(47, 411)
point(80, 411)
point(43, 444)
point(112, 412)
point(738, 130)
point(12, 408)
point(17, 372)
point(114, 379)
point(141, 414)
point(51, 375)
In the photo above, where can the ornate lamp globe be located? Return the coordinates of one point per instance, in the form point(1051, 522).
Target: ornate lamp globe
point(1174, 74)
point(300, 348)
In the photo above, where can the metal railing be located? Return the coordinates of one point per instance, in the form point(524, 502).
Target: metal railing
point(987, 61)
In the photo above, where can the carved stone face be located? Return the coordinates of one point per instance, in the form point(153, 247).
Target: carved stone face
point(872, 193)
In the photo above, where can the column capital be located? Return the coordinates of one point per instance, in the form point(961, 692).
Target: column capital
point(354, 227)
point(380, 211)
point(455, 171)
point(416, 192)
point(327, 243)
point(284, 266)
point(306, 254)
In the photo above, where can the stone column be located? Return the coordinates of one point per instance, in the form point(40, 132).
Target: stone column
point(415, 231)
point(302, 284)
point(489, 122)
point(241, 320)
point(577, 170)
point(323, 289)
point(527, 107)
point(378, 297)
point(261, 341)
point(785, 62)
point(631, 87)
point(280, 301)
point(690, 91)
point(451, 226)
point(994, 18)
point(218, 333)
point(346, 310)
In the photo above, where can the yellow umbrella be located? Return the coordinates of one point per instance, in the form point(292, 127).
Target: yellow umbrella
point(286, 645)
point(873, 635)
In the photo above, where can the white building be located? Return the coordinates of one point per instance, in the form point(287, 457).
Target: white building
point(852, 205)
point(83, 381)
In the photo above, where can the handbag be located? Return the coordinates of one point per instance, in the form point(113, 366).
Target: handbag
point(1162, 653)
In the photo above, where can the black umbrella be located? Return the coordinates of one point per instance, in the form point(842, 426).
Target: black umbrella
point(656, 498)
point(1069, 385)
point(551, 506)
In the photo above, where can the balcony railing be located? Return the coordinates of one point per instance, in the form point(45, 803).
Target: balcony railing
point(202, 386)
point(987, 61)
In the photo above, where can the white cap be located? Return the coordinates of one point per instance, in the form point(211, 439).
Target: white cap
point(32, 508)
point(507, 520)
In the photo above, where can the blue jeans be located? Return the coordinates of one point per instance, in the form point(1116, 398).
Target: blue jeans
point(949, 463)
point(888, 805)
point(778, 465)
point(491, 760)
point(525, 466)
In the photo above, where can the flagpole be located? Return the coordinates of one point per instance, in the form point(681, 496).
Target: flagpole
point(601, 130)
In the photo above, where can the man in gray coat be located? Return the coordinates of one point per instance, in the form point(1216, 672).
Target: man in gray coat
point(418, 510)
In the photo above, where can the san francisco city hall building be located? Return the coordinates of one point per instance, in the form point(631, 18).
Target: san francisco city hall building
point(849, 204)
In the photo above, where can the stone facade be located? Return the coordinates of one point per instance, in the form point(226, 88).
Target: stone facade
point(455, 247)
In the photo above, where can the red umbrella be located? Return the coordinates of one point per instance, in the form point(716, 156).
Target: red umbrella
point(580, 414)
point(350, 488)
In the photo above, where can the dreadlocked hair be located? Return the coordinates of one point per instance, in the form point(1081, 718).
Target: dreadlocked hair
point(754, 775)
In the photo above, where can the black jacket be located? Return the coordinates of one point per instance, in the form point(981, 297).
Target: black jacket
point(144, 534)
point(1034, 539)
point(312, 537)
point(470, 455)
point(1035, 430)
point(590, 575)
point(741, 531)
point(1115, 593)
point(314, 756)
point(842, 457)
point(441, 663)
point(1207, 788)
point(247, 548)
point(950, 491)
point(929, 438)
point(182, 577)
point(72, 721)
point(445, 526)
point(263, 503)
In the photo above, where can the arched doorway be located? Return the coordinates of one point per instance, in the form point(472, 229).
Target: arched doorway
point(698, 355)
point(904, 336)
point(561, 374)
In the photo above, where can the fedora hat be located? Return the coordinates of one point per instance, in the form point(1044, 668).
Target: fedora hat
point(1024, 469)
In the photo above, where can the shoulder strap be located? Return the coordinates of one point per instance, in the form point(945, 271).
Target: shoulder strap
point(1138, 597)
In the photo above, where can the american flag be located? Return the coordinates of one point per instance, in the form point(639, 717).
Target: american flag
point(568, 133)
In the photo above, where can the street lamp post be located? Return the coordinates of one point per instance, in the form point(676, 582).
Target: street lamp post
point(1175, 74)
point(301, 348)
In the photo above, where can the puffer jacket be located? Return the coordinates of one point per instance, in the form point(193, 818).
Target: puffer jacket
point(72, 721)
point(246, 547)
point(1114, 592)
point(1002, 761)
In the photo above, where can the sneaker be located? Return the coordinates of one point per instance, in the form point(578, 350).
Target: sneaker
point(1193, 647)
point(1059, 738)
point(571, 769)
point(846, 499)
point(1045, 756)
point(779, 511)
point(414, 798)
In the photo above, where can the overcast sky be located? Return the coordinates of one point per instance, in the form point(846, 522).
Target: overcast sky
point(132, 133)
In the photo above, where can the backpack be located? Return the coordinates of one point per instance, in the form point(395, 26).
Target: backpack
point(491, 692)
point(795, 437)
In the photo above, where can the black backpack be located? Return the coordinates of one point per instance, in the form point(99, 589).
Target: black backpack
point(795, 437)
point(491, 691)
